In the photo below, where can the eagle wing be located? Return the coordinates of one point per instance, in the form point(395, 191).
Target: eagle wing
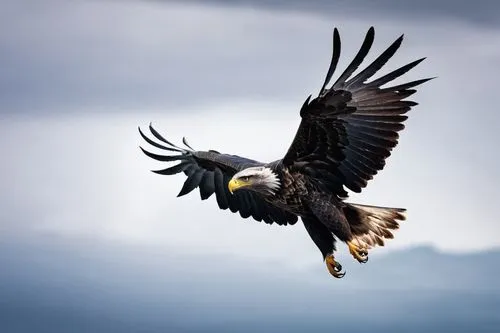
point(348, 131)
point(211, 171)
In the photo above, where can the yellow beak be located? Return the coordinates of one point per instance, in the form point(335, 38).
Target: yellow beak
point(235, 184)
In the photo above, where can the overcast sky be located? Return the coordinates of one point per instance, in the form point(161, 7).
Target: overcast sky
point(77, 78)
point(93, 241)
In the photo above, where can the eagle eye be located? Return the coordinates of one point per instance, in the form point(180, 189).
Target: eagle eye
point(245, 178)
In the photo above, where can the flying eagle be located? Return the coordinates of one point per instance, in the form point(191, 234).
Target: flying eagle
point(344, 137)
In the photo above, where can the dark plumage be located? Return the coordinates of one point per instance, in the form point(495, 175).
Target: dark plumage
point(345, 135)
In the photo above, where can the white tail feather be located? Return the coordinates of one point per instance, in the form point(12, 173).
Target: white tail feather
point(370, 225)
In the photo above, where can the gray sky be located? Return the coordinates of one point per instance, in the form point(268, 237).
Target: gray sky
point(483, 12)
point(77, 78)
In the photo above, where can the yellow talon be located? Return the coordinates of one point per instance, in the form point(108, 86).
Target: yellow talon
point(359, 254)
point(334, 267)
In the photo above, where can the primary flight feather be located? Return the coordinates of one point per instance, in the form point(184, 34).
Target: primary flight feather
point(344, 137)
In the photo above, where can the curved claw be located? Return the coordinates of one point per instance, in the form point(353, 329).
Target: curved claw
point(334, 267)
point(361, 255)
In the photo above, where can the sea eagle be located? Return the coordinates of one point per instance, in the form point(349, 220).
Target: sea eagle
point(343, 139)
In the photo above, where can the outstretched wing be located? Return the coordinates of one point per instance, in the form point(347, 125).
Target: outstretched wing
point(348, 131)
point(211, 171)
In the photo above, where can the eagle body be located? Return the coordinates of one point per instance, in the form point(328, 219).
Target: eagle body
point(293, 192)
point(345, 135)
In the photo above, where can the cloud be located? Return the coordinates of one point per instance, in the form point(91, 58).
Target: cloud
point(130, 55)
point(77, 85)
point(408, 10)
point(86, 175)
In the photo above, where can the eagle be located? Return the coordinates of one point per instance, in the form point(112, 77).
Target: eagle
point(345, 135)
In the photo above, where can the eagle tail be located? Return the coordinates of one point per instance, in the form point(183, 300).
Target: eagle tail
point(370, 225)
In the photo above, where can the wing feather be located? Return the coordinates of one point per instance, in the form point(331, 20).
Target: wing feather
point(173, 170)
point(207, 185)
point(335, 59)
point(374, 67)
point(191, 182)
point(211, 171)
point(348, 131)
point(221, 195)
point(358, 59)
point(394, 74)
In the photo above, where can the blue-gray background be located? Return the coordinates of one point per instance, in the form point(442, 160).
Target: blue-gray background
point(93, 242)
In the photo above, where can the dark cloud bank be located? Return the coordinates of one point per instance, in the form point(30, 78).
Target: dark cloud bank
point(56, 65)
point(484, 12)
point(55, 285)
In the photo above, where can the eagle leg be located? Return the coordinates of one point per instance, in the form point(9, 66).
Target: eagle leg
point(360, 254)
point(334, 267)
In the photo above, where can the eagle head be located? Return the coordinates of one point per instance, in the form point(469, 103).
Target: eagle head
point(258, 179)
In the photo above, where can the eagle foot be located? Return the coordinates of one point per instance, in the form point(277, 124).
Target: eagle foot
point(334, 267)
point(360, 254)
